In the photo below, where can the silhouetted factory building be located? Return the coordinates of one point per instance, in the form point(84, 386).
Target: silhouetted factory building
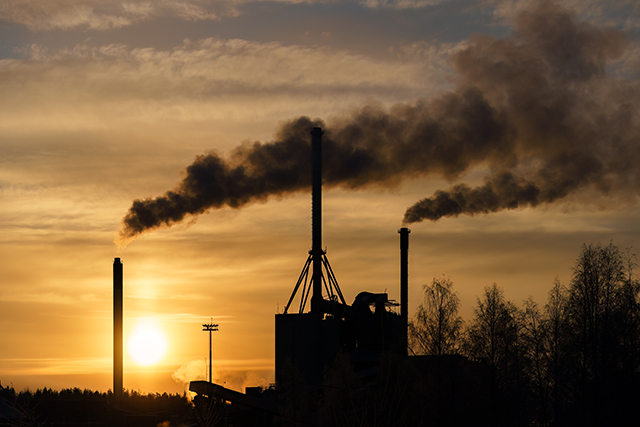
point(365, 332)
point(310, 341)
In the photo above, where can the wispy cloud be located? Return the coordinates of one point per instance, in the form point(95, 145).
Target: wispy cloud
point(211, 65)
point(190, 297)
point(48, 298)
point(401, 4)
point(106, 14)
point(94, 87)
point(56, 366)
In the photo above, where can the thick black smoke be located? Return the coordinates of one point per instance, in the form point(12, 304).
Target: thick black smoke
point(251, 173)
point(537, 109)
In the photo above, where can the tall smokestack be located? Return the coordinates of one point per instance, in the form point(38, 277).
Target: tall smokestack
point(316, 218)
point(404, 283)
point(117, 330)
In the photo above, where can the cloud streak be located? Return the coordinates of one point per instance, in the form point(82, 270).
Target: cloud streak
point(106, 14)
point(86, 87)
point(48, 298)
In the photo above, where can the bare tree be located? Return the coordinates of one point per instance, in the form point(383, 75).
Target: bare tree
point(594, 293)
point(603, 298)
point(556, 314)
point(437, 325)
point(535, 339)
point(494, 328)
point(494, 336)
point(629, 311)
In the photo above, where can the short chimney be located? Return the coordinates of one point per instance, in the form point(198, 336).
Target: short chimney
point(117, 330)
point(404, 284)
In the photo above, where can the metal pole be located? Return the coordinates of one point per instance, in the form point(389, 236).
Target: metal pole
point(210, 327)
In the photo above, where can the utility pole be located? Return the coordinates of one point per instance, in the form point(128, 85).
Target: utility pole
point(211, 328)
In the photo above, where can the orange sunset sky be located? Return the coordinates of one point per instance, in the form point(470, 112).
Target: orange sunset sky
point(105, 102)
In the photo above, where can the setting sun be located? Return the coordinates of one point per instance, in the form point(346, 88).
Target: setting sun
point(147, 343)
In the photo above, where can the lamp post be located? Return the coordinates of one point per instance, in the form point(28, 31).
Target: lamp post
point(211, 328)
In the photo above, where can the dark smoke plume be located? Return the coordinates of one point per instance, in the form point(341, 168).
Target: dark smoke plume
point(537, 109)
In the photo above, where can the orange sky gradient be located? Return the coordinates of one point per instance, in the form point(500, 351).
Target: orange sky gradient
point(108, 102)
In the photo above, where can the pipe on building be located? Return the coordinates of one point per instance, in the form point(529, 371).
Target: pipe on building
point(117, 330)
point(404, 284)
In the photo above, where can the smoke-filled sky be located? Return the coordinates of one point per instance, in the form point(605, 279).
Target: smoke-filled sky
point(175, 135)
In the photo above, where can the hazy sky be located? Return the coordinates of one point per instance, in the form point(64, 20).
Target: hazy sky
point(105, 102)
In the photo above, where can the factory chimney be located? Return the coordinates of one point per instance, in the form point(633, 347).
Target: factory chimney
point(117, 331)
point(316, 219)
point(317, 260)
point(404, 285)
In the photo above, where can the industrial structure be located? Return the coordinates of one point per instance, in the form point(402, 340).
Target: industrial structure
point(310, 341)
point(364, 330)
point(373, 338)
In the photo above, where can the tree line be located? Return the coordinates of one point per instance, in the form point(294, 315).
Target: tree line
point(75, 406)
point(573, 361)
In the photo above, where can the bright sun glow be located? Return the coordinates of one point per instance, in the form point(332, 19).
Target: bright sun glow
point(147, 343)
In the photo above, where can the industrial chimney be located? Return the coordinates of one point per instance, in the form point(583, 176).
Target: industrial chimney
point(117, 331)
point(404, 284)
point(316, 218)
point(317, 260)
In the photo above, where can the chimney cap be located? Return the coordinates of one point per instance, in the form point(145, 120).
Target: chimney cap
point(316, 131)
point(404, 230)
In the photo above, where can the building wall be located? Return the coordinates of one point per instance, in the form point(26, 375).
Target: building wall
point(307, 342)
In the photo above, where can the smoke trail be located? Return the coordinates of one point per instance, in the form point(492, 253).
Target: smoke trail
point(251, 173)
point(536, 108)
point(574, 126)
point(504, 192)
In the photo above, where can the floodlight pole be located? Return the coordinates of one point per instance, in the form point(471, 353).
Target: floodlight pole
point(211, 328)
